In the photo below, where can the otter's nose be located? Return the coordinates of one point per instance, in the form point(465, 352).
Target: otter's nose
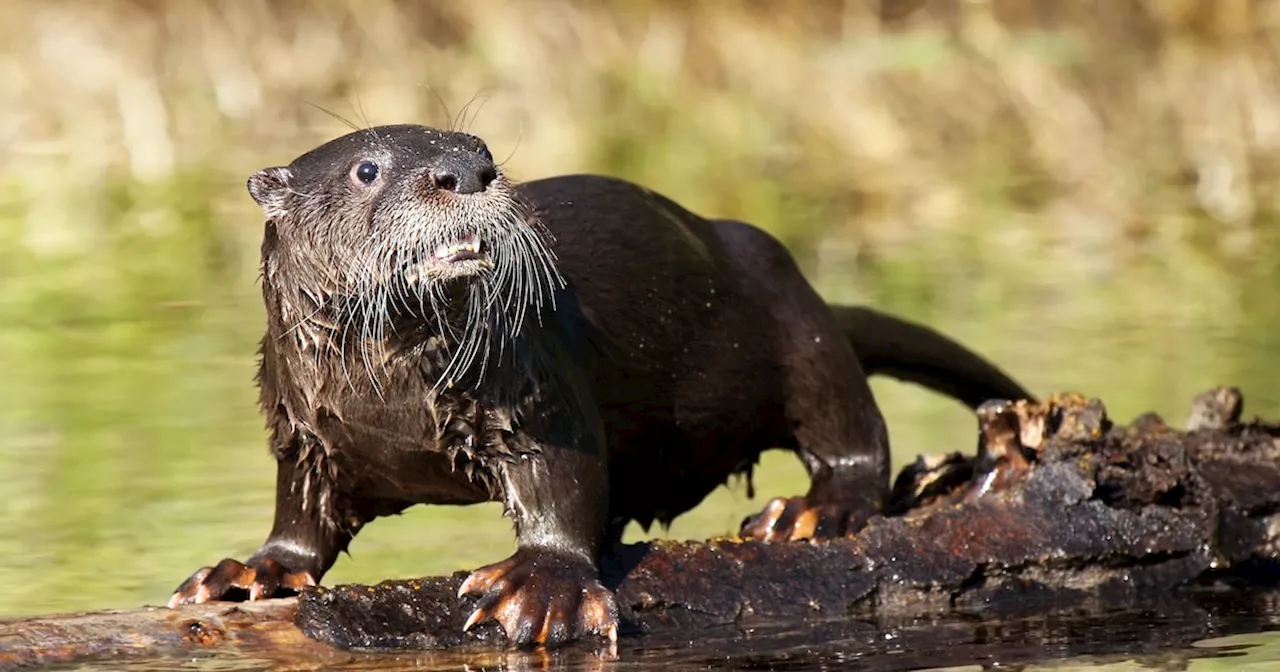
point(463, 173)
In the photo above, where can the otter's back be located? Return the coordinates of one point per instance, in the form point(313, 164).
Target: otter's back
point(654, 278)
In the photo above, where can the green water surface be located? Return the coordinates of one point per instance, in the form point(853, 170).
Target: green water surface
point(132, 451)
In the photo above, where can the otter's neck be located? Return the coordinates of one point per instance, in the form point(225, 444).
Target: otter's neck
point(448, 350)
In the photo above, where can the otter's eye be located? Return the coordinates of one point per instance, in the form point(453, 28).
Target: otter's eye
point(484, 151)
point(365, 172)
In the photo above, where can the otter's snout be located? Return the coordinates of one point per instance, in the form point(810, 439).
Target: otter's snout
point(463, 172)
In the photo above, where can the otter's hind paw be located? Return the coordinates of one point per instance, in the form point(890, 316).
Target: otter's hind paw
point(795, 519)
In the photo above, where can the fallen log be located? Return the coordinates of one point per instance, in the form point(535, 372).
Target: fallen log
point(1059, 512)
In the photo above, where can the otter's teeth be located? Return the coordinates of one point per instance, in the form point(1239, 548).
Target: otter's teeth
point(471, 243)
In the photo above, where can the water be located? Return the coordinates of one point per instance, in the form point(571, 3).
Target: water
point(132, 451)
point(1117, 642)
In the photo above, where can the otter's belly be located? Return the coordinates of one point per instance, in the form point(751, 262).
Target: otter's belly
point(661, 469)
point(382, 461)
point(411, 477)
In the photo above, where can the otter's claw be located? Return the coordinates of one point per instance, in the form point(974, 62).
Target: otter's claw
point(234, 581)
point(796, 519)
point(542, 597)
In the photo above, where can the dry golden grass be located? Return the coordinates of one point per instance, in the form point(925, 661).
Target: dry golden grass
point(1097, 125)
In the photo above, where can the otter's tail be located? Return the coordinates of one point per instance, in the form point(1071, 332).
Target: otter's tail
point(915, 353)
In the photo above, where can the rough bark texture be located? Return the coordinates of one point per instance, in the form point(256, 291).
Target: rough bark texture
point(1058, 511)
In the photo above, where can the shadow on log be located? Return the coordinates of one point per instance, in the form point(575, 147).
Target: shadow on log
point(1059, 513)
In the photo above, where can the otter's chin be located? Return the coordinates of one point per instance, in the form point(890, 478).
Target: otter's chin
point(430, 271)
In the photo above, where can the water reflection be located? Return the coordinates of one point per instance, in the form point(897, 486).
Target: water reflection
point(1120, 641)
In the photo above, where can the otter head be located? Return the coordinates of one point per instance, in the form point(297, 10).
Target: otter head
point(406, 233)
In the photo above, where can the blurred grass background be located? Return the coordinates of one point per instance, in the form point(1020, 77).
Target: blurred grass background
point(1084, 191)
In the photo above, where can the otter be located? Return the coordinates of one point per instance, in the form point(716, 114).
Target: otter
point(579, 348)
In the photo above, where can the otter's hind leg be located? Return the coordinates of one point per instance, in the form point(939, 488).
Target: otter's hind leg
point(838, 433)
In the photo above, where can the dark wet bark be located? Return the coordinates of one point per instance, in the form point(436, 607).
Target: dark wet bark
point(1059, 512)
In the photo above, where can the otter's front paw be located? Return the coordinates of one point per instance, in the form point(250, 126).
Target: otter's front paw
point(795, 518)
point(231, 580)
point(543, 597)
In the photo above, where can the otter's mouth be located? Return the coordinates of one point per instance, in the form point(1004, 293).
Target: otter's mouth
point(468, 247)
point(463, 256)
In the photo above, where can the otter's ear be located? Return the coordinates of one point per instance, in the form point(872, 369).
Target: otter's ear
point(270, 188)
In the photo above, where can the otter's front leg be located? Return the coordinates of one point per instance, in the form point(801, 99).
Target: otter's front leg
point(297, 553)
point(549, 591)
